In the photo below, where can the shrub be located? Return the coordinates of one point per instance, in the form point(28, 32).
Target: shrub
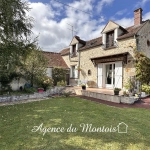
point(58, 75)
point(67, 94)
point(130, 84)
point(61, 83)
point(46, 82)
point(5, 80)
point(146, 88)
point(30, 90)
point(117, 89)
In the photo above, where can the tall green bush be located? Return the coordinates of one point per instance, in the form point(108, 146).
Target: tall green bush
point(142, 65)
point(59, 75)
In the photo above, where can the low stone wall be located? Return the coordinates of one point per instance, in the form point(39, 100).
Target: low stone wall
point(108, 97)
point(48, 93)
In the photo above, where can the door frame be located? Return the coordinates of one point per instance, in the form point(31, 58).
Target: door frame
point(109, 86)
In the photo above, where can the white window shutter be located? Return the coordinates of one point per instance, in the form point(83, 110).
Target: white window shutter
point(100, 75)
point(76, 72)
point(77, 45)
point(118, 74)
point(115, 34)
point(104, 38)
point(70, 49)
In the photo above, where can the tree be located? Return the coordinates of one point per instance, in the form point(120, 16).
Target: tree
point(142, 65)
point(15, 29)
point(14, 23)
point(34, 66)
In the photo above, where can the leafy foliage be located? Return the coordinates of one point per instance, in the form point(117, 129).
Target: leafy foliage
point(67, 94)
point(6, 79)
point(146, 88)
point(61, 83)
point(14, 23)
point(130, 84)
point(59, 74)
point(34, 66)
point(142, 65)
point(15, 29)
point(45, 82)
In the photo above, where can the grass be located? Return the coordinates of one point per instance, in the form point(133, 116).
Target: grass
point(17, 121)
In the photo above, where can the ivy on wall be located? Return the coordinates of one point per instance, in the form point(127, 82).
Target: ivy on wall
point(142, 64)
point(58, 75)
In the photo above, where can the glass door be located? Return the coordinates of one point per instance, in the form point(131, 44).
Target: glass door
point(110, 75)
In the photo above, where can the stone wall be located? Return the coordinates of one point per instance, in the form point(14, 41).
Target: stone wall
point(86, 64)
point(9, 98)
point(143, 38)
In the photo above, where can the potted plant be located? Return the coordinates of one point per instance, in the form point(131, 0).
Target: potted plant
point(116, 91)
point(83, 86)
point(78, 68)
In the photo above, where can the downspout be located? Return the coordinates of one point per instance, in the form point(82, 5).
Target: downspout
point(79, 66)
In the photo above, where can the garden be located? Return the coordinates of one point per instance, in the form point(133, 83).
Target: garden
point(44, 125)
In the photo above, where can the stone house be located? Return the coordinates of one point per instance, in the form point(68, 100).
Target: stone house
point(108, 61)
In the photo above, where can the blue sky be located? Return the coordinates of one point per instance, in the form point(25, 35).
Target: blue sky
point(51, 19)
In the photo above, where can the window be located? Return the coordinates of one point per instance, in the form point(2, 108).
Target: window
point(73, 53)
point(89, 72)
point(110, 39)
point(73, 72)
point(148, 43)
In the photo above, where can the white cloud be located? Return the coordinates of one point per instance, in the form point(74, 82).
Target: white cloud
point(146, 16)
point(125, 22)
point(52, 26)
point(54, 35)
point(103, 3)
point(121, 12)
point(141, 3)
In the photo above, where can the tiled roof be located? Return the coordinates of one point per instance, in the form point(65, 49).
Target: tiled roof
point(87, 44)
point(129, 32)
point(80, 41)
point(92, 43)
point(65, 51)
point(55, 59)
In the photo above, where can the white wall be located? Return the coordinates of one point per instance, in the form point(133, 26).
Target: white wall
point(15, 84)
point(49, 72)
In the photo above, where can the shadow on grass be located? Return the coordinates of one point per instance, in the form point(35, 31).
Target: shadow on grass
point(17, 121)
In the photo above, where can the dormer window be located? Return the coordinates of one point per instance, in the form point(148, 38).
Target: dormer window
point(73, 50)
point(110, 39)
point(110, 33)
point(75, 44)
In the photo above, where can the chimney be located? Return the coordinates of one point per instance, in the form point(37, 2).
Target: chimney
point(138, 16)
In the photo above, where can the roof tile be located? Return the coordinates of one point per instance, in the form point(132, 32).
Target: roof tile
point(55, 59)
point(129, 32)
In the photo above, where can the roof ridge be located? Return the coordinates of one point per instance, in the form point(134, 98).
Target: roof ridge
point(51, 52)
point(93, 39)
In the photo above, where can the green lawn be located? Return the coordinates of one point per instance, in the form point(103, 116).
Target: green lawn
point(18, 121)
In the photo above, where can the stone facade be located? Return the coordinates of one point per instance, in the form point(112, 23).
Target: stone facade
point(143, 39)
point(86, 64)
point(103, 55)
